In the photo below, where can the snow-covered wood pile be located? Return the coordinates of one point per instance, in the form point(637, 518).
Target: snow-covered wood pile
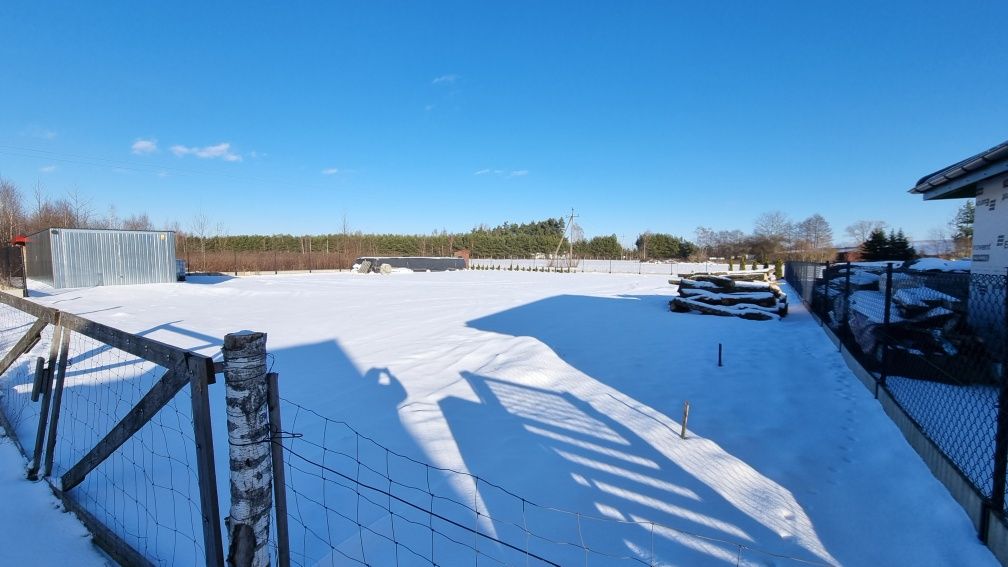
point(749, 295)
point(927, 317)
point(921, 320)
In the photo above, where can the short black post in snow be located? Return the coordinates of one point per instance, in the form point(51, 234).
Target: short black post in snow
point(720, 349)
point(248, 448)
point(885, 329)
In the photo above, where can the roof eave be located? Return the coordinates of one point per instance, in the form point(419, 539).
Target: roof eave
point(961, 186)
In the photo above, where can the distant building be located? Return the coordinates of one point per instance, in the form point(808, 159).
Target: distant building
point(76, 257)
point(984, 177)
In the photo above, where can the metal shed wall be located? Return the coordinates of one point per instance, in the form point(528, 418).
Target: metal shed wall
point(91, 257)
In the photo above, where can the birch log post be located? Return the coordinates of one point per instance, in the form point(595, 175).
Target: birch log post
point(249, 449)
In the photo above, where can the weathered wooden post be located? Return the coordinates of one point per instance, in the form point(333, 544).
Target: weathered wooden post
point(249, 439)
point(685, 418)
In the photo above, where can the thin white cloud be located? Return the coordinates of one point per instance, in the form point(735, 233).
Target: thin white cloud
point(47, 168)
point(218, 151)
point(429, 107)
point(142, 146)
point(444, 80)
point(330, 171)
point(40, 133)
point(502, 172)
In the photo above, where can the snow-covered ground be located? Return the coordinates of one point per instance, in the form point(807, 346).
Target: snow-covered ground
point(568, 389)
point(34, 529)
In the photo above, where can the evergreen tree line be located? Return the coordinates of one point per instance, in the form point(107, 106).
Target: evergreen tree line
point(894, 246)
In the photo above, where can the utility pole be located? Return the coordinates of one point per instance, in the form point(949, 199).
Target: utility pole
point(570, 241)
point(570, 227)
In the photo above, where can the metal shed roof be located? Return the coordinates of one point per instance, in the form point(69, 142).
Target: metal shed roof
point(959, 180)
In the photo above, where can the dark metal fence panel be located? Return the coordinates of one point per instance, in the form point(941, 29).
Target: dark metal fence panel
point(11, 268)
point(935, 341)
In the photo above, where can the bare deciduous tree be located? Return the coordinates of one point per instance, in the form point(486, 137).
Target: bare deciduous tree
point(200, 227)
point(11, 210)
point(138, 222)
point(816, 232)
point(862, 229)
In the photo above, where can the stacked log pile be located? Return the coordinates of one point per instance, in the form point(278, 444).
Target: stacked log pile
point(923, 321)
point(749, 295)
point(928, 329)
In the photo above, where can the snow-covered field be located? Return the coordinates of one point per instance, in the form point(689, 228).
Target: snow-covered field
point(567, 390)
point(34, 530)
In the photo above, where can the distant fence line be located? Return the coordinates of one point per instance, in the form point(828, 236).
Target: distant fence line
point(286, 261)
point(936, 344)
point(598, 265)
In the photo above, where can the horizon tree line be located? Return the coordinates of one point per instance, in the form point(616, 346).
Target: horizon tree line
point(207, 245)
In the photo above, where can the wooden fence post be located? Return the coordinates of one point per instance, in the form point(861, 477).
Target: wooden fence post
point(57, 400)
point(201, 373)
point(249, 441)
point(59, 335)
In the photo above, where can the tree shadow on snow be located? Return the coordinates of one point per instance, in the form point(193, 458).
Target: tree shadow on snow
point(358, 489)
point(571, 447)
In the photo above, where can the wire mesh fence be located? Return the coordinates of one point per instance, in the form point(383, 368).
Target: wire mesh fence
point(353, 501)
point(16, 383)
point(147, 491)
point(935, 341)
point(68, 389)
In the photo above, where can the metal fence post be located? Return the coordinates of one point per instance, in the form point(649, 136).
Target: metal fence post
point(886, 340)
point(279, 474)
point(824, 302)
point(997, 499)
point(846, 315)
point(249, 440)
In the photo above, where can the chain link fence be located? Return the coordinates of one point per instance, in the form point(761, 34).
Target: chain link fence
point(935, 342)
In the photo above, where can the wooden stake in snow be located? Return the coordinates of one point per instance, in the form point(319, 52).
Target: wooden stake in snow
point(249, 449)
point(685, 418)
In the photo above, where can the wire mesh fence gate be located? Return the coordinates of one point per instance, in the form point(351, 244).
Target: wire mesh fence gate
point(105, 419)
point(936, 344)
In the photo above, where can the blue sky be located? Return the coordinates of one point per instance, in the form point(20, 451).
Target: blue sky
point(413, 117)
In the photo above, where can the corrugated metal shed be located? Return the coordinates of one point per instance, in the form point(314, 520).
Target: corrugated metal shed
point(77, 257)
